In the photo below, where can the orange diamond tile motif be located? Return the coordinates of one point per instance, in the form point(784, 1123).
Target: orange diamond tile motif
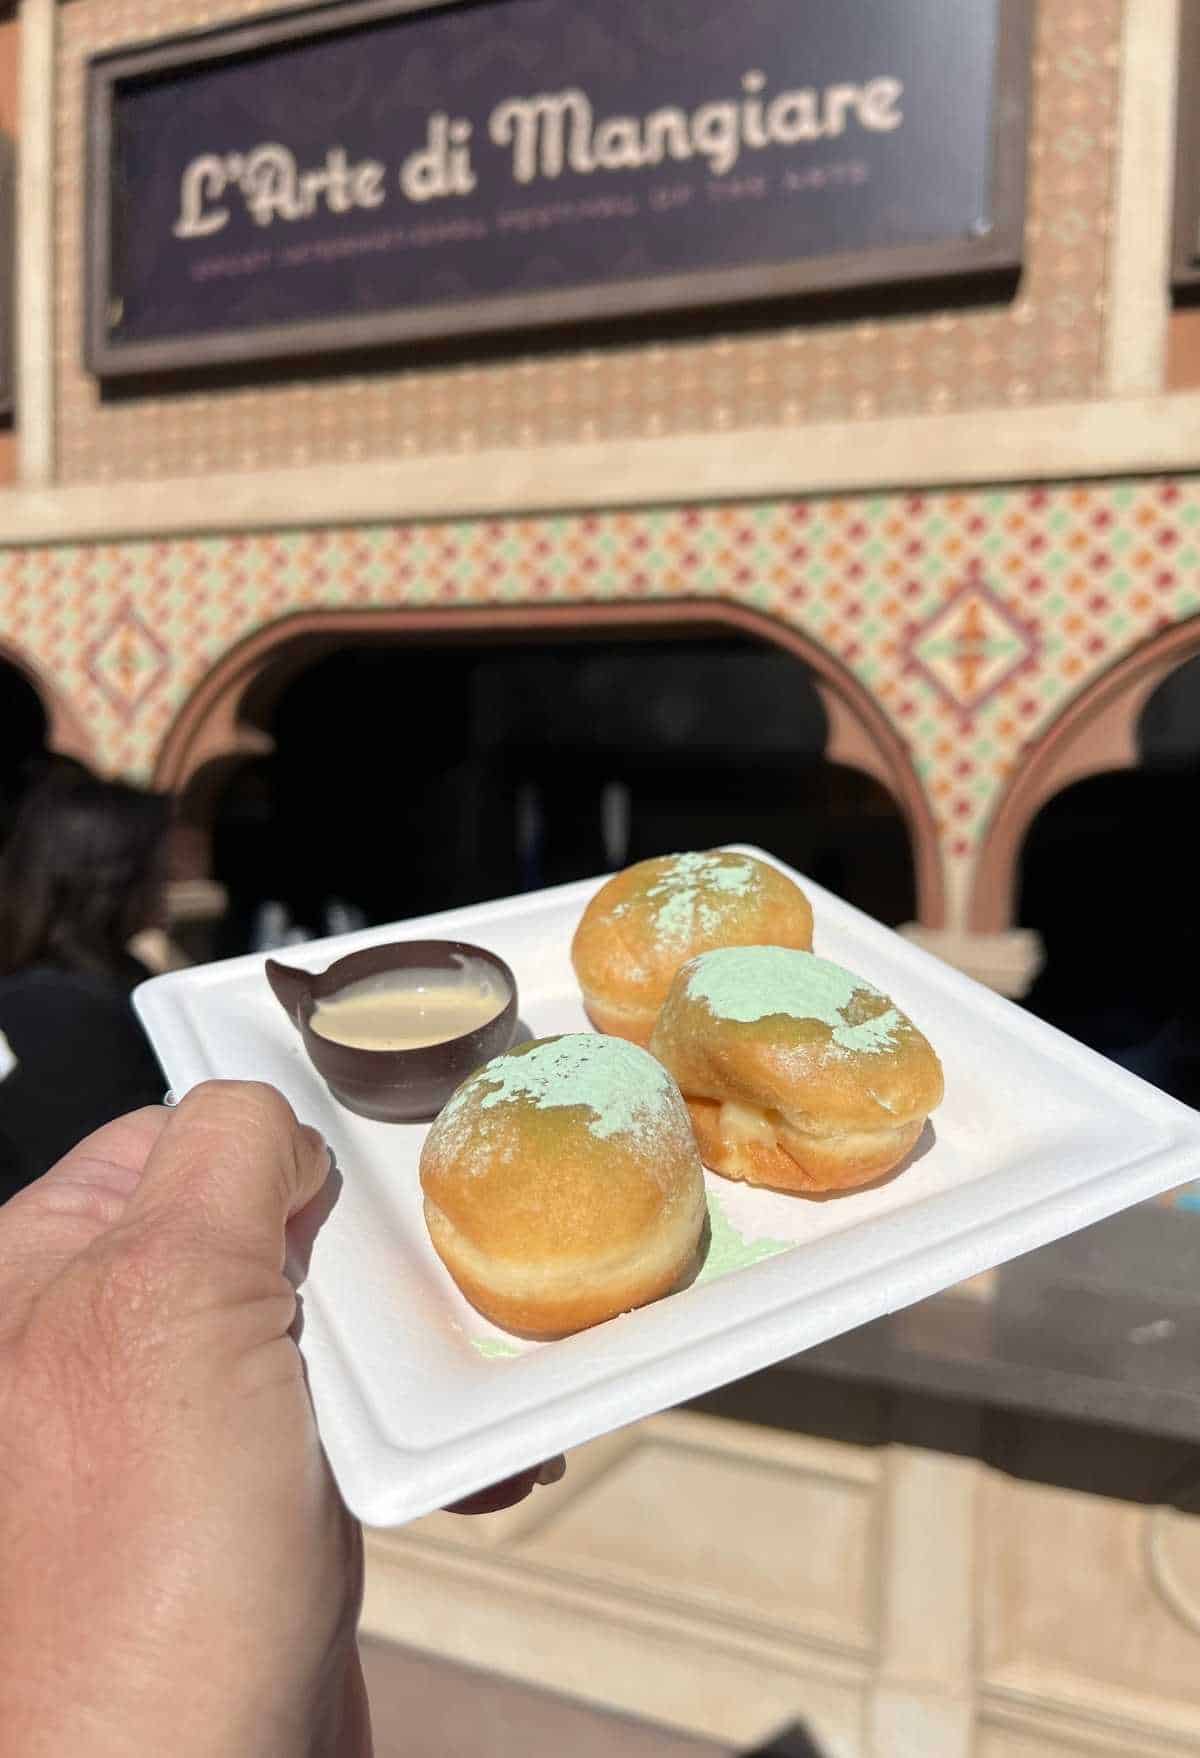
point(128, 662)
point(972, 645)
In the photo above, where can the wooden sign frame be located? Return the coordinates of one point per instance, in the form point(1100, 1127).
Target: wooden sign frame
point(1185, 249)
point(8, 267)
point(994, 253)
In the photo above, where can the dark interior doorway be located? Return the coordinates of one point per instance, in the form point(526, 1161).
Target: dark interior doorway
point(409, 778)
point(23, 731)
point(1108, 878)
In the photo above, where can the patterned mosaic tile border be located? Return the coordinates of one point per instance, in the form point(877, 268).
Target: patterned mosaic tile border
point(972, 617)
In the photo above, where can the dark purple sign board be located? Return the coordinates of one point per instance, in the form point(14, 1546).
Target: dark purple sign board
point(389, 173)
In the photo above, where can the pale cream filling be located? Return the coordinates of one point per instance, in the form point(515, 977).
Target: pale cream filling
point(748, 1123)
point(740, 1123)
point(634, 1011)
point(675, 1238)
point(862, 1144)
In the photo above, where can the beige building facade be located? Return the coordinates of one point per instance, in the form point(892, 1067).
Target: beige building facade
point(979, 531)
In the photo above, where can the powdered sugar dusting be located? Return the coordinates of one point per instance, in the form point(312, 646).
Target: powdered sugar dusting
point(621, 1085)
point(748, 983)
point(691, 891)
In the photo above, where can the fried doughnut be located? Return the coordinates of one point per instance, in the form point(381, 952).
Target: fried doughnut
point(797, 1073)
point(648, 920)
point(562, 1184)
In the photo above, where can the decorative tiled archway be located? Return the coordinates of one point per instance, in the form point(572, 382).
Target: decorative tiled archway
point(971, 618)
point(1096, 732)
point(212, 727)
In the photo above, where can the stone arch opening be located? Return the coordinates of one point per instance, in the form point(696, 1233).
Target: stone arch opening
point(23, 728)
point(576, 709)
point(1105, 879)
point(35, 722)
point(1095, 734)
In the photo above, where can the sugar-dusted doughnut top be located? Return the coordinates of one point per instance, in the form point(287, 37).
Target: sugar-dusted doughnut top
point(616, 1086)
point(649, 919)
point(751, 983)
point(783, 1030)
point(564, 1146)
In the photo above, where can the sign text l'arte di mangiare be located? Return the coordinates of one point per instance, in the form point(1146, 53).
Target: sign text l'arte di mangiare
point(383, 173)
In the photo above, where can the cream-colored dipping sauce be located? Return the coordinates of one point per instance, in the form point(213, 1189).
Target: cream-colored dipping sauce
point(406, 1010)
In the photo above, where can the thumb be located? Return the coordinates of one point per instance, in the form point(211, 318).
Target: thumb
point(233, 1164)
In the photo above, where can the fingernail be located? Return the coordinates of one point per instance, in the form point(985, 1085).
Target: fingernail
point(553, 1471)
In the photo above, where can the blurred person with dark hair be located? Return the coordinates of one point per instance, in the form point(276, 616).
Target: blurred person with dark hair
point(38, 770)
point(81, 877)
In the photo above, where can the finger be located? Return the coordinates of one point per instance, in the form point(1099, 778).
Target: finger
point(60, 1214)
point(511, 1491)
point(108, 1164)
point(232, 1162)
point(354, 1734)
point(105, 1165)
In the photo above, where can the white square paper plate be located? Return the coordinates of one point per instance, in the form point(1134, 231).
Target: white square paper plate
point(421, 1401)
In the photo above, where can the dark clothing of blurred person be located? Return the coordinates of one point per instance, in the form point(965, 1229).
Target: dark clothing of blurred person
point(80, 877)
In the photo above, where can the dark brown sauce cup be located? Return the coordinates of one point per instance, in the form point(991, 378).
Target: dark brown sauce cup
point(393, 1086)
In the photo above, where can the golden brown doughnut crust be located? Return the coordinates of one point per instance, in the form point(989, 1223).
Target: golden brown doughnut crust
point(562, 1184)
point(648, 920)
point(797, 1074)
point(813, 1165)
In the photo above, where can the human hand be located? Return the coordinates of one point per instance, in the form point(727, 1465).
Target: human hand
point(180, 1574)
